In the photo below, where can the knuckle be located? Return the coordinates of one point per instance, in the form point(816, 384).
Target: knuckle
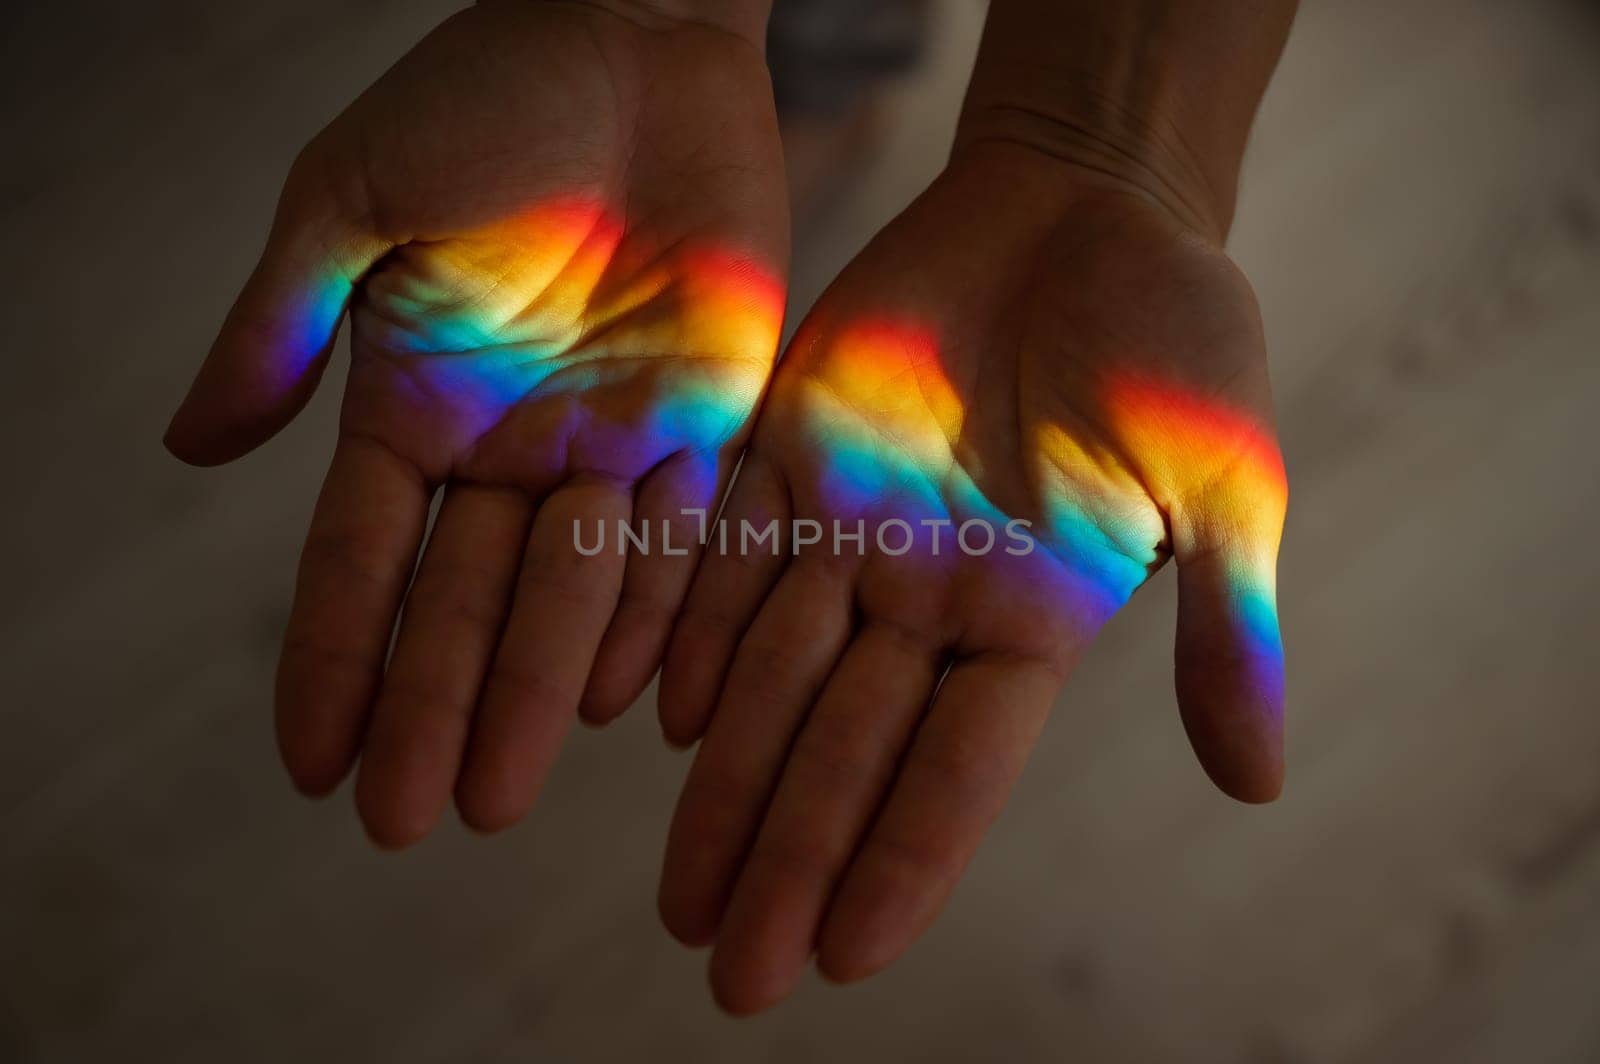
point(835, 760)
point(965, 770)
point(792, 856)
point(523, 687)
point(909, 858)
point(463, 599)
point(349, 554)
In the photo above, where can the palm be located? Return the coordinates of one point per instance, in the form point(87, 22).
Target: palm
point(1099, 375)
point(559, 233)
point(587, 220)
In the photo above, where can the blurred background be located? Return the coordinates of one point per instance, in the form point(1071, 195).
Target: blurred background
point(1421, 217)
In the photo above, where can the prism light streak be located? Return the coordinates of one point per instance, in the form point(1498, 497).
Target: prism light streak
point(887, 427)
point(557, 301)
point(893, 419)
point(1225, 479)
point(892, 435)
point(312, 327)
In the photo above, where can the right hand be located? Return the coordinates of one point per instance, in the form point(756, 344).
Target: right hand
point(561, 234)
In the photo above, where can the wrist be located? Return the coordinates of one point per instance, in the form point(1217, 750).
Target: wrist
point(1099, 148)
point(1156, 96)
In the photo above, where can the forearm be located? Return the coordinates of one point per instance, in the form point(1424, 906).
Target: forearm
point(1159, 94)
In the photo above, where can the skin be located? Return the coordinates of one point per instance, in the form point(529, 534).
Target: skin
point(558, 230)
point(836, 795)
point(560, 234)
point(1051, 330)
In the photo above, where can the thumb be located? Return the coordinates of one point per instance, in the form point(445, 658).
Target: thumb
point(1229, 655)
point(266, 361)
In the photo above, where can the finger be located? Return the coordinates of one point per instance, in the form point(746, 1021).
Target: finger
point(453, 616)
point(1229, 669)
point(358, 557)
point(1218, 471)
point(775, 678)
point(966, 755)
point(837, 773)
point(272, 348)
point(671, 511)
point(736, 573)
point(564, 600)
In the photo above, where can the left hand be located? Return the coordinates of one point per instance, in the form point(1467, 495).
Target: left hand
point(1028, 341)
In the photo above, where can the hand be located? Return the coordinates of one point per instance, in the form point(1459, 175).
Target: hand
point(560, 232)
point(1030, 341)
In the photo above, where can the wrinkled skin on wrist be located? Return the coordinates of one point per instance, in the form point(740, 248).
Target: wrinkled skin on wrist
point(1027, 341)
point(560, 235)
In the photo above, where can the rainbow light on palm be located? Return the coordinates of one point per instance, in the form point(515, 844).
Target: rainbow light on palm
point(559, 301)
point(888, 426)
point(1221, 475)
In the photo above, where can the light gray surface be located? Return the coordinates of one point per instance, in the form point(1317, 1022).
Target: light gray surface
point(1422, 220)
